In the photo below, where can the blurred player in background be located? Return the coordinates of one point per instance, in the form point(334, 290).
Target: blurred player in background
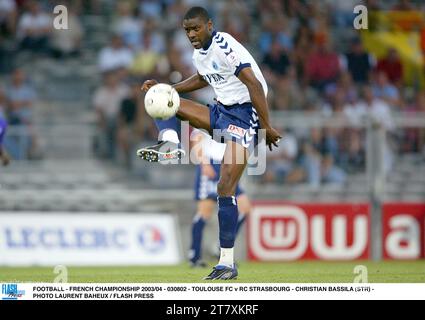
point(209, 154)
point(241, 110)
point(4, 157)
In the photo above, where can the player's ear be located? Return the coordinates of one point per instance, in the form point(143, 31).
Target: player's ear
point(210, 26)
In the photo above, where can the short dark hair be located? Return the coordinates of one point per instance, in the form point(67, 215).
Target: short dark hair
point(196, 12)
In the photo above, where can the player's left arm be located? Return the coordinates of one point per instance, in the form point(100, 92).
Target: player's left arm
point(258, 99)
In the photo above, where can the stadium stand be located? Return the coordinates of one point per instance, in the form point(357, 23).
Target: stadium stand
point(65, 173)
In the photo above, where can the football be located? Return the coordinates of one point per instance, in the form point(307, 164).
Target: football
point(162, 101)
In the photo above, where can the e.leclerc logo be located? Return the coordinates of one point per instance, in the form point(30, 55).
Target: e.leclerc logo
point(151, 239)
point(9, 291)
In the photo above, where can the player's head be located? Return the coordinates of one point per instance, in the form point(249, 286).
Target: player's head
point(198, 26)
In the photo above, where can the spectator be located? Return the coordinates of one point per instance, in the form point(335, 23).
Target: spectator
point(414, 138)
point(358, 62)
point(127, 26)
point(287, 94)
point(22, 97)
point(149, 55)
point(8, 17)
point(115, 56)
point(318, 162)
point(303, 40)
point(275, 29)
point(174, 15)
point(344, 85)
point(379, 112)
point(281, 161)
point(322, 66)
point(342, 12)
point(131, 123)
point(150, 9)
point(276, 60)
point(107, 103)
point(384, 90)
point(235, 19)
point(403, 5)
point(34, 28)
point(392, 66)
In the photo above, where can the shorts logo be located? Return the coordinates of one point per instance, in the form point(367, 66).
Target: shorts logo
point(236, 131)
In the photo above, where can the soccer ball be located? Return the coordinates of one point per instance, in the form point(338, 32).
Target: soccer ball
point(162, 101)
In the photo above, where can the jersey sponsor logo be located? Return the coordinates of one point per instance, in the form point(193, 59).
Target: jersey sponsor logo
point(236, 131)
point(215, 66)
point(214, 77)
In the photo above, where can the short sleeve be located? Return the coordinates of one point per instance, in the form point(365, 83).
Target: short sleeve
point(229, 48)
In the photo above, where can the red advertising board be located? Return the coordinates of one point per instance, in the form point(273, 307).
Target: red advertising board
point(404, 230)
point(282, 231)
point(279, 231)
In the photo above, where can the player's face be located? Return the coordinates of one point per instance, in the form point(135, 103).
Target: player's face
point(198, 31)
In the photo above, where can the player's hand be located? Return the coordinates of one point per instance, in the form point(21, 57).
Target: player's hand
point(272, 137)
point(208, 170)
point(147, 84)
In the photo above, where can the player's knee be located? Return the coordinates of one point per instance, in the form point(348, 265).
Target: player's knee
point(225, 187)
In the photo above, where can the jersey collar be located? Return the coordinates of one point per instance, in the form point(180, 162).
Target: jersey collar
point(207, 46)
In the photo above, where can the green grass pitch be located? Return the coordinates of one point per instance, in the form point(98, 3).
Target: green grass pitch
point(249, 272)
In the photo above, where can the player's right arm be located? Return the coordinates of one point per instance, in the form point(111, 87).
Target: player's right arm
point(192, 83)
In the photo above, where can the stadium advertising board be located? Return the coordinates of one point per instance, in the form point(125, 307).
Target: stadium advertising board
point(280, 231)
point(88, 239)
point(285, 232)
point(404, 230)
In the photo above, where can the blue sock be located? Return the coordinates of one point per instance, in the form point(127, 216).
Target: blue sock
point(198, 224)
point(166, 124)
point(241, 220)
point(227, 220)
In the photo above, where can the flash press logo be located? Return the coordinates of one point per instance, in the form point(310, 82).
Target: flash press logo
point(10, 291)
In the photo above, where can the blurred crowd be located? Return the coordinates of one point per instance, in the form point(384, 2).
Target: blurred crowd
point(294, 41)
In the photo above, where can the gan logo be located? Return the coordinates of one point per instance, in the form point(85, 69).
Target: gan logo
point(215, 66)
point(236, 131)
point(9, 291)
point(151, 239)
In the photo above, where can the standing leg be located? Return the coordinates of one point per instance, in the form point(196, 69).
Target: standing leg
point(230, 174)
